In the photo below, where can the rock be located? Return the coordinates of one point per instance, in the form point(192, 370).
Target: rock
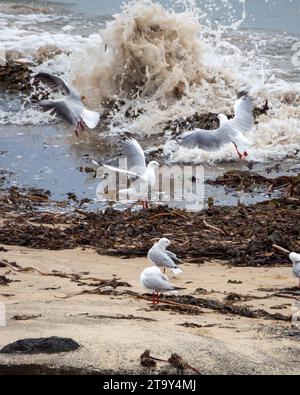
point(48, 345)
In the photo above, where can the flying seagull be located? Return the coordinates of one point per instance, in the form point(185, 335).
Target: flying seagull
point(295, 258)
point(70, 108)
point(159, 256)
point(229, 131)
point(142, 175)
point(155, 281)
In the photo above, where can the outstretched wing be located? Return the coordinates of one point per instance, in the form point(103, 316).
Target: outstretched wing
point(118, 170)
point(243, 120)
point(134, 153)
point(60, 109)
point(205, 139)
point(56, 83)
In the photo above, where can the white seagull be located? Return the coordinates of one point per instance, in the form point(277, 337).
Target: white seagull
point(295, 258)
point(159, 256)
point(230, 130)
point(155, 281)
point(70, 108)
point(142, 176)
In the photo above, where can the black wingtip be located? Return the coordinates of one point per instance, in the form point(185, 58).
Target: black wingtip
point(242, 93)
point(126, 136)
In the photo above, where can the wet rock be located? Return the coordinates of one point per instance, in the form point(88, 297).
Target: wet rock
point(48, 345)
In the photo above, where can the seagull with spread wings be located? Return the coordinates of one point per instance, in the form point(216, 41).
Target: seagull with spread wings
point(142, 176)
point(230, 130)
point(70, 108)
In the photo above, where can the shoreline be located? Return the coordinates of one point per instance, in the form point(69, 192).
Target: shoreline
point(211, 341)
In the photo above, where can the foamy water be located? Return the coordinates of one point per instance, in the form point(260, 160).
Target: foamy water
point(160, 65)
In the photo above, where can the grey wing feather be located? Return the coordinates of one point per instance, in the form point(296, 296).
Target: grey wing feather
point(157, 283)
point(160, 258)
point(173, 256)
point(134, 153)
point(206, 140)
point(56, 83)
point(243, 120)
point(60, 109)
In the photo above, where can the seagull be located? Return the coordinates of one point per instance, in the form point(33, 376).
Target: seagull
point(142, 176)
point(159, 256)
point(295, 258)
point(229, 131)
point(155, 281)
point(70, 108)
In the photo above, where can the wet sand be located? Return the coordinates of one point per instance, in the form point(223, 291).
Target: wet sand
point(114, 329)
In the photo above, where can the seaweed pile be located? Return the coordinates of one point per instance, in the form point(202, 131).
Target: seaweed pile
point(242, 235)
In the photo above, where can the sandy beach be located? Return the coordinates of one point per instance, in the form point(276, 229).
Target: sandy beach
point(114, 330)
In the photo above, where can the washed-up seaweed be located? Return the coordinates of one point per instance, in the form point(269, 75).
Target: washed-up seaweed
point(247, 181)
point(242, 235)
point(175, 361)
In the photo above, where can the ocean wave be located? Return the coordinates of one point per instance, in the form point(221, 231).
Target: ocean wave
point(160, 65)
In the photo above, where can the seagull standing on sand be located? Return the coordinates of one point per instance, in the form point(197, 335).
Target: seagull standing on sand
point(230, 130)
point(295, 258)
point(142, 176)
point(155, 281)
point(70, 108)
point(159, 256)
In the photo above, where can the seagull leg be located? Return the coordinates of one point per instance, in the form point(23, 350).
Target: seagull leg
point(157, 298)
point(153, 297)
point(76, 131)
point(81, 123)
point(238, 152)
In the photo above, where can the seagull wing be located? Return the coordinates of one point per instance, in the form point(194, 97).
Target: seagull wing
point(160, 258)
point(157, 283)
point(243, 120)
point(117, 170)
point(173, 256)
point(134, 153)
point(229, 131)
point(60, 109)
point(56, 83)
point(207, 140)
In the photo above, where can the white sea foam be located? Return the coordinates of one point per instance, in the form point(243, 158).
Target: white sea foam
point(162, 65)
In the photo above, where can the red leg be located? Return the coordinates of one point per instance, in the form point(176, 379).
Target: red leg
point(153, 298)
point(238, 152)
point(157, 298)
point(81, 124)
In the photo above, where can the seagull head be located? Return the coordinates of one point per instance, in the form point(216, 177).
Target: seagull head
point(164, 243)
point(153, 164)
point(222, 118)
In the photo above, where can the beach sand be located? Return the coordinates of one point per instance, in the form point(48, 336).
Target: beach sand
point(111, 342)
